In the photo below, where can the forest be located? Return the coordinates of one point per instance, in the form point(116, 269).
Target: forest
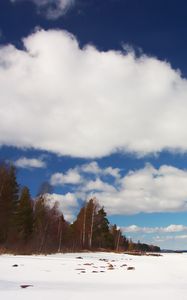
point(30, 226)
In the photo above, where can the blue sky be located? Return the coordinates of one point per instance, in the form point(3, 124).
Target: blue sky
point(93, 100)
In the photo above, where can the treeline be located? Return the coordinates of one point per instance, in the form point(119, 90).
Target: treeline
point(31, 226)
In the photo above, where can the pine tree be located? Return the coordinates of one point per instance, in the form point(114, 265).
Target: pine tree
point(102, 237)
point(9, 191)
point(24, 215)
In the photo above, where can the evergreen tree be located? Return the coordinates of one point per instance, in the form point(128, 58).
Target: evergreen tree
point(9, 191)
point(102, 238)
point(24, 215)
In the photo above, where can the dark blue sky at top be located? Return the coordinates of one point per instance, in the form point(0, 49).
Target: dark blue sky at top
point(157, 28)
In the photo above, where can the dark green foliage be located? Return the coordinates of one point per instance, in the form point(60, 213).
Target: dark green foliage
point(9, 190)
point(102, 237)
point(142, 247)
point(24, 215)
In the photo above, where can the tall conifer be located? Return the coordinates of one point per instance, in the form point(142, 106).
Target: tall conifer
point(9, 191)
point(24, 215)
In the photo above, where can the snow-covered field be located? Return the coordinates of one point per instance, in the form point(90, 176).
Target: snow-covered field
point(93, 276)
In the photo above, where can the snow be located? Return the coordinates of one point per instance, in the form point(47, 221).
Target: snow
point(68, 277)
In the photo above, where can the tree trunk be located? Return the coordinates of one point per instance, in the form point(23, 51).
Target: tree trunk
point(84, 228)
point(44, 237)
point(60, 235)
point(91, 228)
point(118, 240)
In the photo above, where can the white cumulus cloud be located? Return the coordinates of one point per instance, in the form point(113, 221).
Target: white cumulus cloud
point(94, 168)
point(27, 163)
point(78, 175)
point(67, 204)
point(61, 98)
point(148, 190)
point(70, 177)
point(98, 185)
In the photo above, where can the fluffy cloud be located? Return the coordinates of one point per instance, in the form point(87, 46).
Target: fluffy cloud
point(78, 176)
point(148, 190)
point(98, 185)
point(67, 204)
point(70, 177)
point(94, 168)
point(145, 190)
point(27, 163)
point(82, 102)
point(169, 229)
point(53, 9)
